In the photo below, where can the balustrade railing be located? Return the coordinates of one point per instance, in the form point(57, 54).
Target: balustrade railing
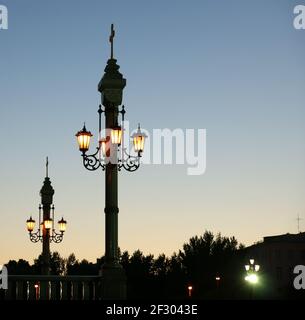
point(32, 287)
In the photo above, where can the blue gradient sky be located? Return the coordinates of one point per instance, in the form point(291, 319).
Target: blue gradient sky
point(233, 67)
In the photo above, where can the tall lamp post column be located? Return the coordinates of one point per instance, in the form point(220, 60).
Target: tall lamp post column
point(111, 156)
point(111, 88)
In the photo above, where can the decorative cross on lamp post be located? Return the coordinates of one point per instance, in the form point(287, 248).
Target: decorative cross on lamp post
point(111, 155)
point(46, 232)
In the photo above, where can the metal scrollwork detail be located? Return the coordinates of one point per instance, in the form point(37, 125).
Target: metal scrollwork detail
point(56, 237)
point(130, 164)
point(92, 162)
point(35, 237)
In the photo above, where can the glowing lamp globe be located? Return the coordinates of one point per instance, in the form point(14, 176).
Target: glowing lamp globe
point(139, 140)
point(48, 224)
point(30, 224)
point(62, 225)
point(116, 135)
point(83, 138)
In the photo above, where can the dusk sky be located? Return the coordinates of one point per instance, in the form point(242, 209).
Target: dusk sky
point(234, 68)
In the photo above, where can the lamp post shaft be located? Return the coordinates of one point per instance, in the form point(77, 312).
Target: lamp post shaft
point(46, 194)
point(113, 275)
point(111, 196)
point(46, 242)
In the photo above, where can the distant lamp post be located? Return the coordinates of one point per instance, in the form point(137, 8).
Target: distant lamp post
point(190, 289)
point(252, 275)
point(217, 278)
point(46, 231)
point(111, 156)
point(36, 286)
point(252, 270)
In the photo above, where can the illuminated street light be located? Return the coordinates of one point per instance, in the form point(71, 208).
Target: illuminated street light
point(190, 289)
point(46, 232)
point(252, 276)
point(138, 141)
point(252, 269)
point(83, 139)
point(111, 155)
point(217, 278)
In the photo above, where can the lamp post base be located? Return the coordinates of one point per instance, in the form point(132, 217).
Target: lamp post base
point(113, 283)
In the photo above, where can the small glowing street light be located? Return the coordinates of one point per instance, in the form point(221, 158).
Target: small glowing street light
point(252, 270)
point(217, 278)
point(36, 286)
point(252, 278)
point(190, 289)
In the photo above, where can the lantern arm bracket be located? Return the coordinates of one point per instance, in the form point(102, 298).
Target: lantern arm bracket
point(131, 163)
point(35, 236)
point(92, 162)
point(56, 237)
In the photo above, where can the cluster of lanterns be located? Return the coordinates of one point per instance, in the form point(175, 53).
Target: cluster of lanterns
point(252, 269)
point(84, 136)
point(47, 224)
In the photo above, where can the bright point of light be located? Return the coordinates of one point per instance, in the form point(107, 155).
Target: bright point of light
point(217, 278)
point(252, 278)
point(190, 287)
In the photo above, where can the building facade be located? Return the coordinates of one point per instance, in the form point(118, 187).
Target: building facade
point(278, 256)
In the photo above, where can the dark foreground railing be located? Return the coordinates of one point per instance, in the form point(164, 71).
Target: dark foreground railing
point(26, 287)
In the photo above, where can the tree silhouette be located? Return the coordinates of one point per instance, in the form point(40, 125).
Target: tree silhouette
point(197, 263)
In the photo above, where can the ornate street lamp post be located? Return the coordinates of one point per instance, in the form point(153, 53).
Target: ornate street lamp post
point(252, 277)
point(252, 270)
point(46, 231)
point(111, 156)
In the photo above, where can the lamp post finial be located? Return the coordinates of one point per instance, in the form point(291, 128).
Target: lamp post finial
point(112, 34)
point(47, 167)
